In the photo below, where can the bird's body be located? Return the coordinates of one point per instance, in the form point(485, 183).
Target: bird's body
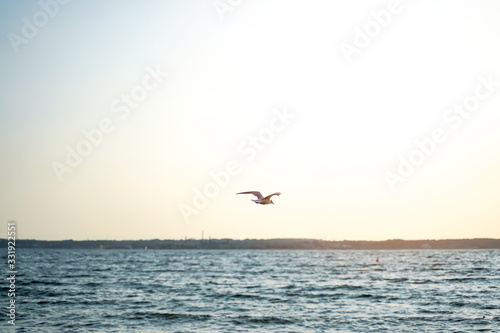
point(261, 200)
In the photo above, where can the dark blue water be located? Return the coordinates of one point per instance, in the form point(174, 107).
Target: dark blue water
point(256, 291)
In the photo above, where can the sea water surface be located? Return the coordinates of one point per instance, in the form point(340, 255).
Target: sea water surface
point(256, 291)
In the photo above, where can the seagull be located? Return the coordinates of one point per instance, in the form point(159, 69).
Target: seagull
point(260, 199)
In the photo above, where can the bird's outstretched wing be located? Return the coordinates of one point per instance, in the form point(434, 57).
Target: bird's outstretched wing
point(256, 193)
point(269, 196)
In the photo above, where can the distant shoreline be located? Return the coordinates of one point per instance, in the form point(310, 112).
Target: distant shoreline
point(259, 244)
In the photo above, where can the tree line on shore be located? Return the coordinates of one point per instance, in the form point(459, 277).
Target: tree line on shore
point(258, 244)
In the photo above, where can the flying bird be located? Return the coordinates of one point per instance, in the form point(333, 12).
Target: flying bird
point(261, 199)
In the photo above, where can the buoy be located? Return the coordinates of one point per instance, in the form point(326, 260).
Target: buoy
point(377, 259)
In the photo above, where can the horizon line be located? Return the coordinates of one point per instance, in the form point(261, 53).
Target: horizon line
point(247, 239)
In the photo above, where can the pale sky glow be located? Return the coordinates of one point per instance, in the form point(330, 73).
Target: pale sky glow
point(227, 80)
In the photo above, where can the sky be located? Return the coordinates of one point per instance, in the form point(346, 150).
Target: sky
point(139, 120)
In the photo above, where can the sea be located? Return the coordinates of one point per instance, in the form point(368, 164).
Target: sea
point(60, 290)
